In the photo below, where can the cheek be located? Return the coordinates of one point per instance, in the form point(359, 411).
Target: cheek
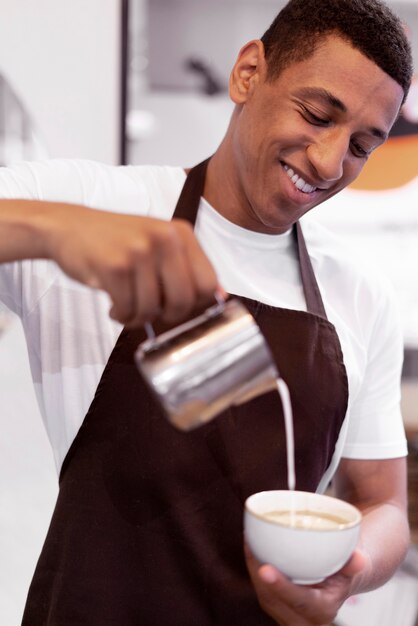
point(246, 142)
point(353, 169)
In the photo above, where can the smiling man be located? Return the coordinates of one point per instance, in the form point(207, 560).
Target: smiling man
point(148, 524)
point(300, 138)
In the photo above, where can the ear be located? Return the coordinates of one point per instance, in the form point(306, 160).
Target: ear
point(249, 69)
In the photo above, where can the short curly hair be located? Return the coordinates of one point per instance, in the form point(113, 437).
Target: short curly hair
point(369, 25)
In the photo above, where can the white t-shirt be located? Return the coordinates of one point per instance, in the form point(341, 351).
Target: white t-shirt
point(70, 335)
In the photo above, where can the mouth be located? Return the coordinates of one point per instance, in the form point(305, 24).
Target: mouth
point(300, 184)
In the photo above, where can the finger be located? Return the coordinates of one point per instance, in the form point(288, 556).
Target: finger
point(268, 581)
point(272, 591)
point(179, 293)
point(286, 601)
point(122, 308)
point(203, 274)
point(147, 292)
point(220, 294)
point(291, 603)
point(121, 291)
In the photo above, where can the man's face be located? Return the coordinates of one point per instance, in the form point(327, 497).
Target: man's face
point(300, 139)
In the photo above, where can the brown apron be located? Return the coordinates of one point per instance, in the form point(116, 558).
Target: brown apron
point(147, 529)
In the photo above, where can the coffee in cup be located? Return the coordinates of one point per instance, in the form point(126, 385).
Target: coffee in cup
point(319, 520)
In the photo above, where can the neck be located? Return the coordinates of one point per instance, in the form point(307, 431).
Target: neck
point(223, 189)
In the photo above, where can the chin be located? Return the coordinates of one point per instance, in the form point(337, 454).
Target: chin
point(275, 226)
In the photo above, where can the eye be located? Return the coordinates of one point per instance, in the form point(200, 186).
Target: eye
point(359, 151)
point(314, 119)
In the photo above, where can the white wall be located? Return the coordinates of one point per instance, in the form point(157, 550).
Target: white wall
point(28, 480)
point(62, 59)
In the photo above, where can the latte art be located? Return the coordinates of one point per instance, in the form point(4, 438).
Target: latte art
point(312, 520)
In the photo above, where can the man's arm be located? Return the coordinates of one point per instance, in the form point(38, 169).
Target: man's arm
point(150, 268)
point(378, 489)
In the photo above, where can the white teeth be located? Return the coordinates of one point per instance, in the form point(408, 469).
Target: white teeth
point(301, 184)
point(308, 188)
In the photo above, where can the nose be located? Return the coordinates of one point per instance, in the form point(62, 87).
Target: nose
point(327, 155)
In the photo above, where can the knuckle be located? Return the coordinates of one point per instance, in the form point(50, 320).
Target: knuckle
point(119, 269)
point(135, 322)
point(168, 233)
point(182, 232)
point(175, 312)
point(299, 606)
point(125, 263)
point(183, 226)
point(169, 239)
point(149, 313)
point(140, 250)
point(120, 313)
point(210, 286)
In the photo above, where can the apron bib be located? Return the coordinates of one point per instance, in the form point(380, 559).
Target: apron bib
point(147, 528)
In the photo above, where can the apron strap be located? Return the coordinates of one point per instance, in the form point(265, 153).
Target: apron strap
point(313, 296)
point(188, 202)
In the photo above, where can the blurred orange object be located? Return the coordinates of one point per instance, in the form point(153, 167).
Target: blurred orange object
point(393, 165)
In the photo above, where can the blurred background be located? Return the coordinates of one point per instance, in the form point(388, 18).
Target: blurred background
point(145, 81)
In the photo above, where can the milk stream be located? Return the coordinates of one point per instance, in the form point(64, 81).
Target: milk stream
point(284, 394)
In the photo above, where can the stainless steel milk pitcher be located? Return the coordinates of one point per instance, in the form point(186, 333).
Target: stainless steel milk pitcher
point(207, 364)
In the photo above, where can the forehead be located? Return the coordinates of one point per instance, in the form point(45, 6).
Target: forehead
point(346, 74)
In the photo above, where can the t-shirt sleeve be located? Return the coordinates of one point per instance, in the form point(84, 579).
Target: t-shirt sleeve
point(16, 182)
point(375, 426)
point(97, 185)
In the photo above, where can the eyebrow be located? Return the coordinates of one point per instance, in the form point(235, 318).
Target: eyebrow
point(336, 103)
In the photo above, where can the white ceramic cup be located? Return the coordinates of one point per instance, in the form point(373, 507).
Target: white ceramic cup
point(313, 550)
